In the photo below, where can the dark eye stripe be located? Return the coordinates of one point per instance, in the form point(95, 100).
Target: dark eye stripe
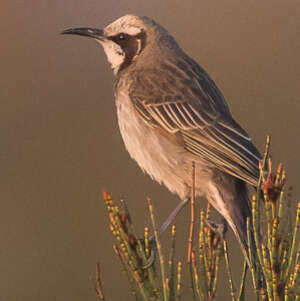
point(120, 38)
point(130, 45)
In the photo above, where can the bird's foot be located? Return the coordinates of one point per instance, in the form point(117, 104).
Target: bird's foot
point(152, 253)
point(218, 228)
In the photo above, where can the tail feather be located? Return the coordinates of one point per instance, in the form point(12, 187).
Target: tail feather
point(231, 198)
point(240, 230)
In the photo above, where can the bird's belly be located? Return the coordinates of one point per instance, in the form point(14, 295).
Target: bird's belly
point(165, 161)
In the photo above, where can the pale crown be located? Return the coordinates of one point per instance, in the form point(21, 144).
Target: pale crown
point(124, 40)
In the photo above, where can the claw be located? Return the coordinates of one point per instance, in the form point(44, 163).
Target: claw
point(218, 228)
point(151, 259)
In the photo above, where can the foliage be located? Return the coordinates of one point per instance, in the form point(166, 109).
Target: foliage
point(275, 270)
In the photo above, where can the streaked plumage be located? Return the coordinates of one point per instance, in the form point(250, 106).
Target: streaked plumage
point(171, 114)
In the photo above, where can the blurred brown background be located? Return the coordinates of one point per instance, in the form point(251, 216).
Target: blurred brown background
point(60, 145)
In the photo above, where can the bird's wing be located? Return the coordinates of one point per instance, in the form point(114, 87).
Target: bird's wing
point(188, 103)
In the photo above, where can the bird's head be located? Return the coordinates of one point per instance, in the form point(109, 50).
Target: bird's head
point(125, 39)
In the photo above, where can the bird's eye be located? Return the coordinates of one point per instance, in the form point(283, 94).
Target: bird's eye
point(121, 36)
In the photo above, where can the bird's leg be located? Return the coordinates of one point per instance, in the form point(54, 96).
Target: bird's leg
point(172, 216)
point(162, 229)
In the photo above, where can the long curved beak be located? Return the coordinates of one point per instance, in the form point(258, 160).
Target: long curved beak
point(95, 33)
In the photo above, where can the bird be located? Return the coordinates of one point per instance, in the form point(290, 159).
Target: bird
point(172, 115)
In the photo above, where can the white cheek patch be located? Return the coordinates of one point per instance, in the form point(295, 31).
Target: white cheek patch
point(115, 54)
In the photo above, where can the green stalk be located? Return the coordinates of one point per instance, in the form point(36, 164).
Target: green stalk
point(171, 263)
point(217, 264)
point(178, 286)
point(160, 254)
point(202, 257)
point(256, 230)
point(296, 228)
point(275, 276)
point(267, 272)
point(232, 291)
point(251, 259)
point(127, 271)
point(241, 296)
point(196, 277)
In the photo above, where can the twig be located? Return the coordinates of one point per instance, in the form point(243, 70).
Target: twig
point(192, 222)
point(98, 283)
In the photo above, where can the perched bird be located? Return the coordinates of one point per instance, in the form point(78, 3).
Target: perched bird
point(172, 114)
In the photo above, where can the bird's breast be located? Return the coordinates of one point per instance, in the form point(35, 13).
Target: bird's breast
point(163, 160)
